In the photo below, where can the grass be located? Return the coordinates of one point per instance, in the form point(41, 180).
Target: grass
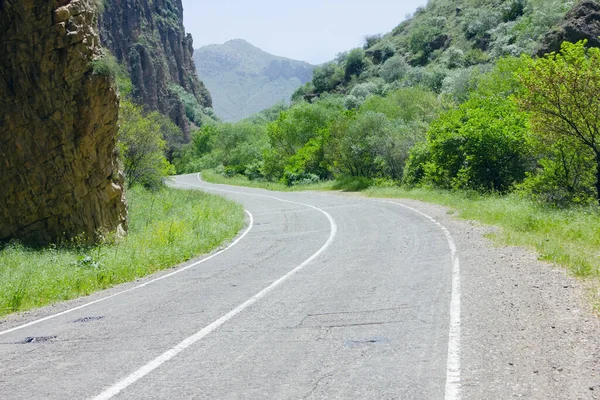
point(567, 237)
point(165, 228)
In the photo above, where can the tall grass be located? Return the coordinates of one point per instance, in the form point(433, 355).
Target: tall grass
point(165, 228)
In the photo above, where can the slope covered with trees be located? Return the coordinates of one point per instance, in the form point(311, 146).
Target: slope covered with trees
point(459, 96)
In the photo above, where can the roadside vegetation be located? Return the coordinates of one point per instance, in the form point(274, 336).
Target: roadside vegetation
point(166, 227)
point(517, 145)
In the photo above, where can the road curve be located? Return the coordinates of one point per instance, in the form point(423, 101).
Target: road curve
point(324, 297)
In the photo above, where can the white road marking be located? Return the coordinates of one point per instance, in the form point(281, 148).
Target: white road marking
point(250, 226)
point(453, 383)
point(168, 355)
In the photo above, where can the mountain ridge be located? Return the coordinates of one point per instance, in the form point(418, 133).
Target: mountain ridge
point(244, 79)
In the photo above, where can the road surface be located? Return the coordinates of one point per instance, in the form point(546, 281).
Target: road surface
point(321, 297)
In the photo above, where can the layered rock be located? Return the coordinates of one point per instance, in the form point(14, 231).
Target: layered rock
point(59, 175)
point(149, 38)
point(582, 22)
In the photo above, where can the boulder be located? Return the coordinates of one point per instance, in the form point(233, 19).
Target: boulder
point(582, 22)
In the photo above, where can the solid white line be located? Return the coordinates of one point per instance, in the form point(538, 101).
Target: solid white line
point(168, 355)
point(453, 383)
point(250, 226)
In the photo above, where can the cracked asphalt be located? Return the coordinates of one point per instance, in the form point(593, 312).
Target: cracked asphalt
point(368, 318)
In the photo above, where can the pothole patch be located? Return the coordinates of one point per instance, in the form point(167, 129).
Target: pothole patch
point(36, 339)
point(87, 319)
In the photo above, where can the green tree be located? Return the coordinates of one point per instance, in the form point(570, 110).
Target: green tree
point(326, 78)
point(355, 63)
point(142, 148)
point(562, 94)
point(481, 146)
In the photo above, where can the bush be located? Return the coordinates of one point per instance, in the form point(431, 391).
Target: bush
point(480, 146)
point(364, 90)
point(355, 63)
point(563, 177)
point(327, 77)
point(453, 58)
point(106, 65)
point(142, 148)
point(193, 110)
point(394, 69)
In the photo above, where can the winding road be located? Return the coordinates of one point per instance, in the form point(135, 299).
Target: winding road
point(322, 296)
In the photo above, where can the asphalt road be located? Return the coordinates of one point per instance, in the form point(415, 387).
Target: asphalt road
point(321, 297)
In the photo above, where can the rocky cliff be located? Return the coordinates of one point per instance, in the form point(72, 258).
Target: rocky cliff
point(582, 22)
point(244, 79)
point(59, 175)
point(148, 37)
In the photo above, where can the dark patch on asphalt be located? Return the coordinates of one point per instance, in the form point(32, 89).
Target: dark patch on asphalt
point(365, 342)
point(37, 339)
point(87, 319)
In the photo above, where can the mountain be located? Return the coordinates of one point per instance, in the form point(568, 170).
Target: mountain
point(149, 39)
point(244, 79)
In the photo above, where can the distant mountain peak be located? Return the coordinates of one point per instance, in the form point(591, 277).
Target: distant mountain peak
point(243, 79)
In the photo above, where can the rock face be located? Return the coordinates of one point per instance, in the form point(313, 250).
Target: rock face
point(582, 22)
point(149, 38)
point(59, 174)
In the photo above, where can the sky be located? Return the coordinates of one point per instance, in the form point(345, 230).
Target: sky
point(307, 30)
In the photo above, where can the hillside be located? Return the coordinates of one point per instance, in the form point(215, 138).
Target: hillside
point(443, 46)
point(244, 79)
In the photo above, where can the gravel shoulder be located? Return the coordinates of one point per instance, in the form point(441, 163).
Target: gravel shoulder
point(528, 330)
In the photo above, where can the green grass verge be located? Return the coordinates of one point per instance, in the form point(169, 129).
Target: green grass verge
point(165, 228)
point(569, 237)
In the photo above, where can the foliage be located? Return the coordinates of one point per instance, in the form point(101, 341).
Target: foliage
point(480, 146)
point(193, 110)
point(407, 104)
point(563, 176)
point(355, 63)
point(235, 146)
point(327, 77)
point(561, 93)
point(107, 65)
point(142, 147)
point(394, 69)
point(165, 228)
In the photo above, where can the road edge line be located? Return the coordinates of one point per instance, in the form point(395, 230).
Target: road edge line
point(174, 351)
point(236, 241)
point(453, 370)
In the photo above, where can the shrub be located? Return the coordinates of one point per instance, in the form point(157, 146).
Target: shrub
point(480, 146)
point(355, 63)
point(106, 65)
point(563, 177)
point(453, 58)
point(394, 69)
point(142, 148)
point(327, 77)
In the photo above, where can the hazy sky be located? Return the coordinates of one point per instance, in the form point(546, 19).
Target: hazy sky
point(308, 30)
